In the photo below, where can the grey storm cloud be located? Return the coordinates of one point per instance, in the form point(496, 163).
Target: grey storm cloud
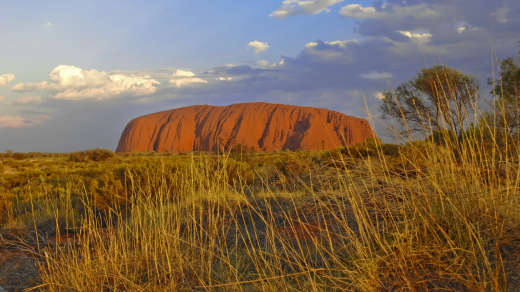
point(397, 38)
point(440, 18)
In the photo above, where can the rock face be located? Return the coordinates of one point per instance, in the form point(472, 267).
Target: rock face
point(264, 126)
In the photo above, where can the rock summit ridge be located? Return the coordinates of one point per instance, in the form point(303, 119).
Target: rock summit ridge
point(264, 126)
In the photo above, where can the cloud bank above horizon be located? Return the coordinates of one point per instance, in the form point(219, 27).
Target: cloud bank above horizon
point(296, 7)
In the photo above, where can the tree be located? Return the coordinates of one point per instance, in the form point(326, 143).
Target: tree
point(437, 99)
point(99, 154)
point(505, 114)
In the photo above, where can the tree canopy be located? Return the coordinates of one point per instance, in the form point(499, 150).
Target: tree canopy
point(508, 85)
point(504, 116)
point(437, 99)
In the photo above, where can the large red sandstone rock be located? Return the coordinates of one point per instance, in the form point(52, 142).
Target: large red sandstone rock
point(264, 126)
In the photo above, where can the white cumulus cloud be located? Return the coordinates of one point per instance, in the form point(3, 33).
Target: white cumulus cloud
point(224, 78)
point(5, 79)
point(375, 75)
point(379, 95)
point(296, 7)
point(341, 44)
point(358, 11)
point(183, 73)
point(417, 11)
point(329, 50)
point(263, 64)
point(73, 83)
point(258, 46)
point(20, 122)
point(27, 100)
point(415, 35)
point(183, 78)
point(279, 64)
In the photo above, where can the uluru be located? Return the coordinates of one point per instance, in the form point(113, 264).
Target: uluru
point(264, 126)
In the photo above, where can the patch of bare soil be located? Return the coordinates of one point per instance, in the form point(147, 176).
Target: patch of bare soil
point(22, 250)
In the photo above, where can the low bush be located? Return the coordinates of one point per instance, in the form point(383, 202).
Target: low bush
point(99, 154)
point(8, 154)
point(91, 155)
point(390, 149)
point(20, 156)
point(78, 156)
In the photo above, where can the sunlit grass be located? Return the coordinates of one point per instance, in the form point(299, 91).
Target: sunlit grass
point(373, 217)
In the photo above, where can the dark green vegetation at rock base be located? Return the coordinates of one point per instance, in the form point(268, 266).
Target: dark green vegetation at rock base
point(370, 217)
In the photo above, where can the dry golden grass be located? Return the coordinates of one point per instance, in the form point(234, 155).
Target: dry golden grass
point(452, 226)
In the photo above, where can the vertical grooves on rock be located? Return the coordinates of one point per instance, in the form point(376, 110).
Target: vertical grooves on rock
point(266, 131)
point(261, 125)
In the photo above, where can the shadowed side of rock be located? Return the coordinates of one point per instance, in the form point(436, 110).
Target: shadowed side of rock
point(264, 126)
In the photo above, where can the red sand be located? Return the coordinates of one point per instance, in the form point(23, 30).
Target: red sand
point(264, 126)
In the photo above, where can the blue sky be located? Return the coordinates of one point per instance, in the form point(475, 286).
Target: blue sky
point(73, 73)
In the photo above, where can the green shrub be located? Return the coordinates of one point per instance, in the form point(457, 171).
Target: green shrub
point(359, 151)
point(371, 147)
point(78, 156)
point(91, 154)
point(390, 149)
point(99, 154)
point(20, 156)
point(443, 137)
point(241, 152)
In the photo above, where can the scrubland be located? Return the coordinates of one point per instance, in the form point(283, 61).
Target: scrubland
point(440, 214)
point(373, 217)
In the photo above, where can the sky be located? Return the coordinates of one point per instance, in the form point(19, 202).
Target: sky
point(74, 73)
